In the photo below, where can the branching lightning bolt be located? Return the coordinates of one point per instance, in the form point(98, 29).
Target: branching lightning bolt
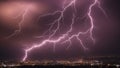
point(20, 23)
point(67, 36)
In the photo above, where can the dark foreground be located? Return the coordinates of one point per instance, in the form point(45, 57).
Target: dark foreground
point(92, 62)
point(62, 66)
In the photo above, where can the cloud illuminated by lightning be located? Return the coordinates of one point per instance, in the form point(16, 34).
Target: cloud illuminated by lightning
point(22, 13)
point(20, 23)
point(66, 37)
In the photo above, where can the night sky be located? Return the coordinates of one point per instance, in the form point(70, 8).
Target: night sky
point(106, 30)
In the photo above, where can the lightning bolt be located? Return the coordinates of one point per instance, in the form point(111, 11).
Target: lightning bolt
point(67, 36)
point(23, 14)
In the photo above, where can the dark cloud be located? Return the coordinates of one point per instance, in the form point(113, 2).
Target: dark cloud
point(106, 33)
